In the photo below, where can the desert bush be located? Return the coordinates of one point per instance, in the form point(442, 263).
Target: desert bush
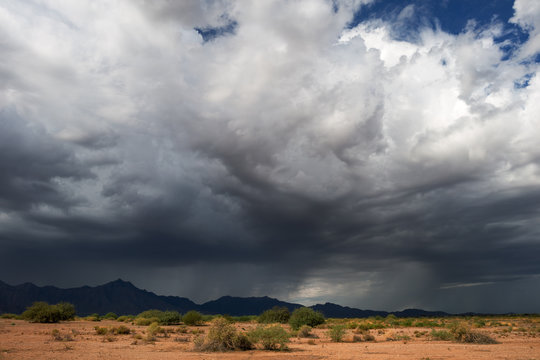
point(441, 335)
point(305, 331)
point(58, 336)
point(270, 337)
point(209, 318)
point(170, 318)
point(154, 329)
point(101, 330)
point(305, 316)
point(125, 318)
point(41, 312)
point(479, 323)
point(110, 316)
point(425, 323)
point(369, 326)
point(150, 314)
point(192, 318)
point(146, 321)
point(222, 336)
point(337, 332)
point(275, 315)
point(93, 317)
point(161, 317)
point(464, 334)
point(109, 338)
point(120, 330)
point(363, 337)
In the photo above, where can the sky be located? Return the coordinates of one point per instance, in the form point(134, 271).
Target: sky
point(379, 154)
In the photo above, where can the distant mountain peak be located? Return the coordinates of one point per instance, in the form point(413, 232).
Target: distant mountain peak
point(119, 282)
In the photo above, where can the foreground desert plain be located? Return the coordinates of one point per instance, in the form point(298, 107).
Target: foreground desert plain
point(517, 337)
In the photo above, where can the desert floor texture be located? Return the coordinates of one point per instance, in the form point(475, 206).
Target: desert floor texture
point(78, 340)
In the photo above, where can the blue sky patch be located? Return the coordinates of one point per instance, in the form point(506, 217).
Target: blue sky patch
point(409, 17)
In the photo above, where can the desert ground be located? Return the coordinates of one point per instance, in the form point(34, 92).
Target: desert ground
point(518, 338)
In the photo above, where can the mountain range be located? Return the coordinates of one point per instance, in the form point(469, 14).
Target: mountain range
point(122, 298)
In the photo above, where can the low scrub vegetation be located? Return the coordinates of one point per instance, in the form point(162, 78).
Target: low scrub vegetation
point(161, 317)
point(443, 335)
point(116, 330)
point(305, 331)
point(41, 312)
point(466, 335)
point(223, 336)
point(272, 337)
point(57, 335)
point(110, 316)
point(336, 332)
point(10, 316)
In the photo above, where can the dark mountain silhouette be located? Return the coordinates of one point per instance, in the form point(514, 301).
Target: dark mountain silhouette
point(119, 296)
point(122, 297)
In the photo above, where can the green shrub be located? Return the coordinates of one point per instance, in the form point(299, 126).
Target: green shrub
point(368, 326)
point(41, 312)
point(170, 318)
point(222, 336)
point(192, 318)
point(125, 318)
point(305, 316)
point(270, 338)
point(110, 316)
point(145, 321)
point(209, 318)
point(337, 332)
point(150, 314)
point(275, 315)
point(162, 317)
point(93, 317)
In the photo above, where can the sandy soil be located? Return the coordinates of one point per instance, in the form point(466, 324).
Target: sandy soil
point(21, 340)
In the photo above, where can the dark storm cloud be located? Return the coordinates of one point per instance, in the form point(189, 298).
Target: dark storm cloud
point(289, 159)
point(31, 165)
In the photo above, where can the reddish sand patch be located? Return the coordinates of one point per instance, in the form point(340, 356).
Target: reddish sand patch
point(22, 340)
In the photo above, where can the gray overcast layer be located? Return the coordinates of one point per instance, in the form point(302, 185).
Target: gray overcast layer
point(289, 157)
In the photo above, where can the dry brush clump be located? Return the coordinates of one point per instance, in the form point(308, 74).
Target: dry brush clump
point(57, 335)
point(270, 337)
point(305, 332)
point(465, 335)
point(115, 330)
point(337, 332)
point(222, 336)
